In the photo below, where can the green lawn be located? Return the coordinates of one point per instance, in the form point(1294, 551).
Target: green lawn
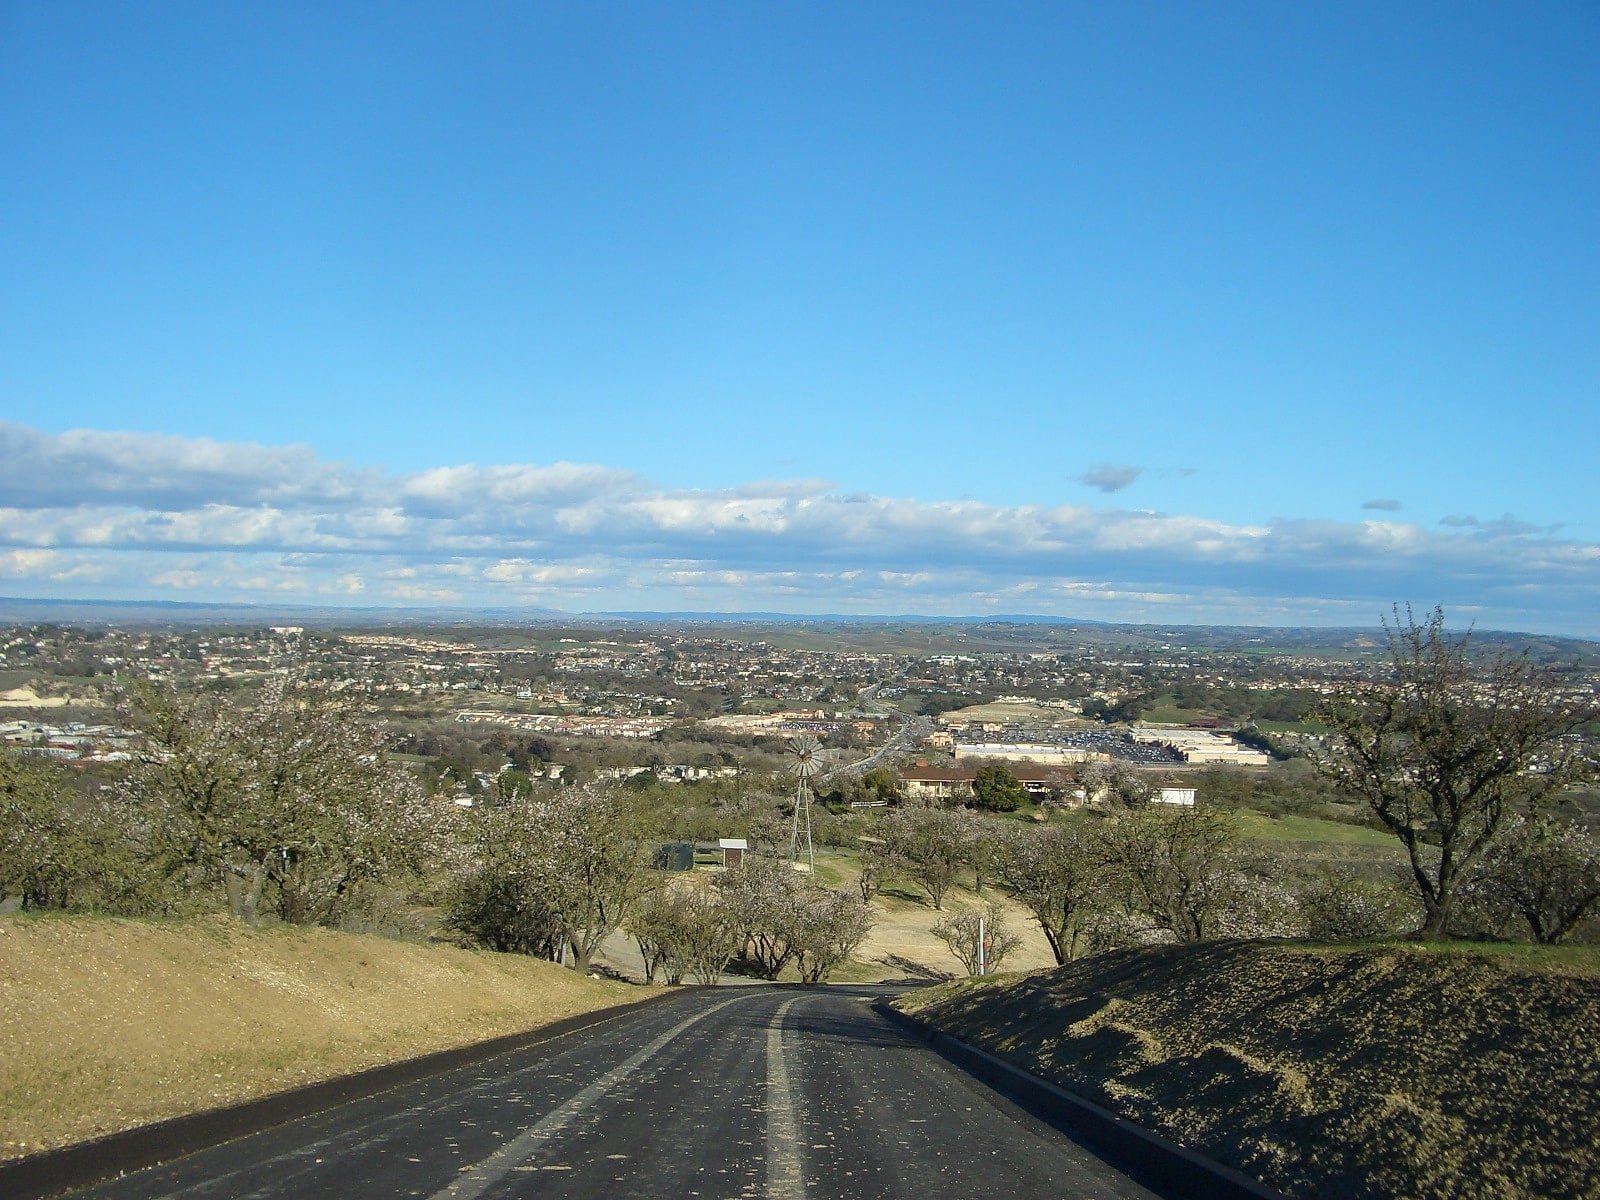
point(1166, 714)
point(828, 874)
point(1260, 827)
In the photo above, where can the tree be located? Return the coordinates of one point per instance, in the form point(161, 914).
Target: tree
point(1058, 875)
point(62, 849)
point(997, 789)
point(978, 938)
point(1448, 748)
point(289, 807)
point(761, 896)
point(497, 902)
point(783, 917)
point(1175, 866)
point(552, 871)
point(883, 785)
point(1116, 784)
point(1545, 871)
point(985, 844)
point(683, 929)
point(875, 864)
point(827, 928)
point(1339, 905)
point(929, 846)
point(588, 864)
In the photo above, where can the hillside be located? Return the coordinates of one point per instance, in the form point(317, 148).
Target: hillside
point(111, 1023)
point(1329, 1072)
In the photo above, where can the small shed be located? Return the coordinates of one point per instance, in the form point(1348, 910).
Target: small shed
point(732, 851)
point(674, 856)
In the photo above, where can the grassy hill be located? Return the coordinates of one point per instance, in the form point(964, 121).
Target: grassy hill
point(1392, 1070)
point(107, 1024)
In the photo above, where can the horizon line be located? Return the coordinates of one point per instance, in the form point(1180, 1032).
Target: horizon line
point(537, 614)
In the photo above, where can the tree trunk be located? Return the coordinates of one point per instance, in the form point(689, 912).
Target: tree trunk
point(1054, 938)
point(1438, 917)
point(251, 900)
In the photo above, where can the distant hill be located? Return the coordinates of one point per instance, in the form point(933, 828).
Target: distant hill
point(996, 630)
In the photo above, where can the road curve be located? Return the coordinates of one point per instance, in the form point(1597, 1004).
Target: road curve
point(774, 1092)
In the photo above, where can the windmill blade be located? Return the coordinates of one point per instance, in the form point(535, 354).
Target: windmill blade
point(803, 751)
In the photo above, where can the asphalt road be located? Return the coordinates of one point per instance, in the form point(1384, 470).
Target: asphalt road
point(756, 1092)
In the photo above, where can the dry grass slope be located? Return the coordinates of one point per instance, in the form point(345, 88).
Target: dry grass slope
point(1387, 1071)
point(109, 1024)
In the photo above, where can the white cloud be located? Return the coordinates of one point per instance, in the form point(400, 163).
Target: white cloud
point(26, 564)
point(182, 580)
point(135, 514)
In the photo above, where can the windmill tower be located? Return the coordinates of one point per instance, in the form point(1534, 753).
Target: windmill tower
point(804, 760)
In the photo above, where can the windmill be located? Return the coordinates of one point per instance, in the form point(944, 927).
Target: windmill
point(805, 761)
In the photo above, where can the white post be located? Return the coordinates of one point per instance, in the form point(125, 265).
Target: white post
point(983, 947)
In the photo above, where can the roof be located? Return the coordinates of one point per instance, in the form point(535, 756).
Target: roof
point(939, 774)
point(1025, 773)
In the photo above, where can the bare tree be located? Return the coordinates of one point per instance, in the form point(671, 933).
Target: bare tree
point(783, 917)
point(929, 846)
point(977, 937)
point(1449, 747)
point(687, 930)
point(827, 929)
point(1547, 872)
point(1059, 874)
point(1175, 866)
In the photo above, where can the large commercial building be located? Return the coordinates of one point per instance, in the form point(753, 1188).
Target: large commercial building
point(1202, 746)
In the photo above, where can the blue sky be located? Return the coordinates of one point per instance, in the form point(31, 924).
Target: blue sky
point(1135, 312)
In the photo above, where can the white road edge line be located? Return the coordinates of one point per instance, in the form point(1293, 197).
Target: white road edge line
point(475, 1180)
point(785, 1178)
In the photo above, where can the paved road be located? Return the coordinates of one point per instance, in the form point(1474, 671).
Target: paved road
point(766, 1092)
point(903, 739)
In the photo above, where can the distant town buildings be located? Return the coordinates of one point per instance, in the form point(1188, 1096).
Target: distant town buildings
point(1031, 752)
point(1202, 746)
point(617, 727)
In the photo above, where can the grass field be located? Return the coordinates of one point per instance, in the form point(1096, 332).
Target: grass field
point(112, 1023)
point(1344, 1071)
point(1166, 713)
point(1012, 712)
point(1289, 828)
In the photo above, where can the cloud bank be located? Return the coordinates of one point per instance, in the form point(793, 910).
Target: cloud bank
point(140, 516)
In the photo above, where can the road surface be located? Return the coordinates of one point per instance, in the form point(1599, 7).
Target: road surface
point(774, 1092)
point(903, 739)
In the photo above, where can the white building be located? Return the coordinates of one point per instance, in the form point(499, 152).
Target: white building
point(1202, 746)
point(1033, 752)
